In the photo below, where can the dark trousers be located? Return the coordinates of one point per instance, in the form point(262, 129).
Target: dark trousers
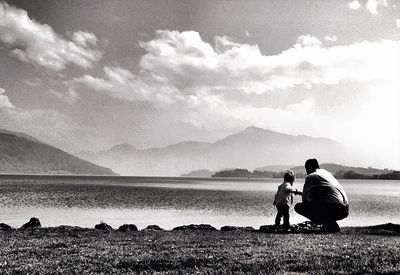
point(283, 211)
point(322, 213)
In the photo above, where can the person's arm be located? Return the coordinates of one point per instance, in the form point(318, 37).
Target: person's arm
point(297, 192)
point(290, 189)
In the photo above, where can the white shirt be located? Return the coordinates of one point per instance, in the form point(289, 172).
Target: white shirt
point(322, 186)
point(284, 195)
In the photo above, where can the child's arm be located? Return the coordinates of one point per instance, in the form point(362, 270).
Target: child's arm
point(293, 190)
point(297, 192)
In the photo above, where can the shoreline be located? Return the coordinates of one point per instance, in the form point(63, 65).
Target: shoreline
point(201, 227)
point(305, 226)
point(69, 249)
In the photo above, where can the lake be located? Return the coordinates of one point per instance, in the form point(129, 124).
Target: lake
point(169, 202)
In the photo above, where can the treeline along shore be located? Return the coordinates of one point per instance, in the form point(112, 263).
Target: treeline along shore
point(199, 249)
point(244, 173)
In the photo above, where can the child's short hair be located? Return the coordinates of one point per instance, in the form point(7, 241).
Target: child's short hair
point(289, 176)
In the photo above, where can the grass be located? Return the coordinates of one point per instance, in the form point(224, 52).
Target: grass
point(70, 250)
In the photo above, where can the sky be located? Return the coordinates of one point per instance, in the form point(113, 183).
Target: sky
point(87, 75)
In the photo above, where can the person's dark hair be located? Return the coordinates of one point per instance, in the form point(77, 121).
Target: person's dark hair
point(311, 165)
point(289, 176)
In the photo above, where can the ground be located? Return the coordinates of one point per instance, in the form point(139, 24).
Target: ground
point(71, 250)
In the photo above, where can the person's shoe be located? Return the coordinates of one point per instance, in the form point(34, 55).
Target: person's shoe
point(286, 228)
point(330, 228)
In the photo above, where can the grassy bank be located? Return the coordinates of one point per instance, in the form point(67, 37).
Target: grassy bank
point(70, 250)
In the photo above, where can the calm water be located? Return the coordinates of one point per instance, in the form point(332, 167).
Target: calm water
point(169, 202)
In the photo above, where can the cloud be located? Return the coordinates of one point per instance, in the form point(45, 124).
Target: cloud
point(180, 67)
point(4, 100)
point(39, 44)
point(307, 41)
point(121, 83)
point(84, 39)
point(331, 38)
point(185, 61)
point(373, 5)
point(354, 5)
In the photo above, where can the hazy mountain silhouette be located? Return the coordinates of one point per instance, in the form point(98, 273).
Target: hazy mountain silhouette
point(250, 148)
point(334, 168)
point(22, 154)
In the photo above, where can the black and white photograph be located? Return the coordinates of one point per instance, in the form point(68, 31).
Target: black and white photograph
point(200, 137)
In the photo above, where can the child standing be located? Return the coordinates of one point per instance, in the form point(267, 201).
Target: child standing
point(284, 199)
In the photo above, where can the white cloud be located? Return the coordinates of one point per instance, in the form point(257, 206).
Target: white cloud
point(354, 5)
point(185, 61)
point(178, 66)
point(307, 41)
point(123, 84)
point(4, 100)
point(373, 5)
point(39, 44)
point(84, 39)
point(331, 38)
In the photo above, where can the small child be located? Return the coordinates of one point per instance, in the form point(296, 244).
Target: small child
point(284, 199)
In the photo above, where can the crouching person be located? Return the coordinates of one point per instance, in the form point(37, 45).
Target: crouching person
point(324, 200)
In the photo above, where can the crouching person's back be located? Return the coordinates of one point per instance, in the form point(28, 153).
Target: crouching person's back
point(324, 200)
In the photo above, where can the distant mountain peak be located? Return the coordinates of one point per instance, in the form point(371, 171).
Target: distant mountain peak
point(253, 129)
point(253, 132)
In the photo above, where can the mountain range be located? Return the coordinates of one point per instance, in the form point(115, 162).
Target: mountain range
point(250, 148)
point(23, 154)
